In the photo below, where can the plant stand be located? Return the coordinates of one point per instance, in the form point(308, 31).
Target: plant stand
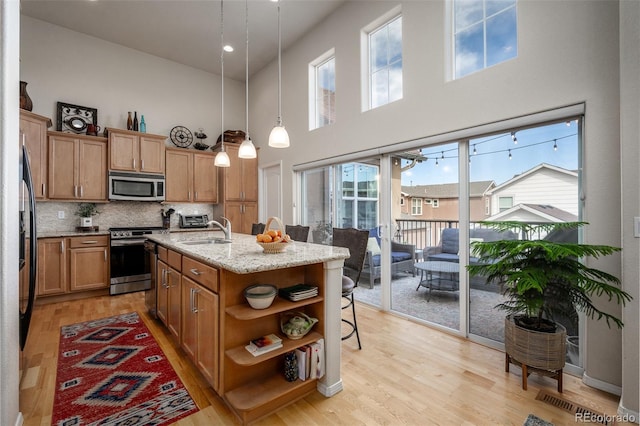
point(534, 351)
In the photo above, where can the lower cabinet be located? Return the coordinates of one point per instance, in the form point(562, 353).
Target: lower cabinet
point(199, 333)
point(52, 266)
point(88, 263)
point(72, 265)
point(169, 305)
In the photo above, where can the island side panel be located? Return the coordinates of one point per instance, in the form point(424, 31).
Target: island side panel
point(331, 383)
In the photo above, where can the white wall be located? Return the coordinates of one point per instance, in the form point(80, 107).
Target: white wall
point(630, 158)
point(567, 54)
point(66, 66)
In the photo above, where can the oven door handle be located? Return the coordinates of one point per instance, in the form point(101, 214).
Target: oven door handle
point(123, 243)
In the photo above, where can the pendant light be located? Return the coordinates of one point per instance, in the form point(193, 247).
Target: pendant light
point(247, 149)
point(279, 138)
point(222, 158)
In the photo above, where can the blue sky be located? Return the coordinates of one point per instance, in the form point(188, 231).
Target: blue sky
point(491, 161)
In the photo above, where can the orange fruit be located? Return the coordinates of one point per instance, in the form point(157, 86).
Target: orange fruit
point(272, 233)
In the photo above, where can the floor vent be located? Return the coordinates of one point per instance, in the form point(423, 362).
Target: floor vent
point(581, 412)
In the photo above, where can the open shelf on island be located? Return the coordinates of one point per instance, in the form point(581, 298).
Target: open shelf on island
point(241, 356)
point(259, 398)
point(245, 312)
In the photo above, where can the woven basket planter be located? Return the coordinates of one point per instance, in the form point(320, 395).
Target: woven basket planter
point(546, 351)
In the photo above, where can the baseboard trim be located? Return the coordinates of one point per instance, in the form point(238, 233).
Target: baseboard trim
point(329, 391)
point(599, 384)
point(628, 415)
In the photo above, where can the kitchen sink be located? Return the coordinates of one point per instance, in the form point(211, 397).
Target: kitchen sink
point(206, 241)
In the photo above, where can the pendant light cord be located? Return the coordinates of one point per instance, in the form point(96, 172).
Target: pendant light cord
point(279, 70)
point(222, 69)
point(246, 77)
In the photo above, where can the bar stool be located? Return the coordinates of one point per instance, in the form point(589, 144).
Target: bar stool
point(356, 241)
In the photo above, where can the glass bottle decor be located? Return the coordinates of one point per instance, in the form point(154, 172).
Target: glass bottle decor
point(143, 125)
point(25, 100)
point(129, 122)
point(290, 366)
point(135, 121)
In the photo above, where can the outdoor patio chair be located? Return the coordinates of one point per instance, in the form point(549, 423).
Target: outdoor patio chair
point(356, 241)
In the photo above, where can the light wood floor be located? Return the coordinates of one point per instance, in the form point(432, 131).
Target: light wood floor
point(406, 374)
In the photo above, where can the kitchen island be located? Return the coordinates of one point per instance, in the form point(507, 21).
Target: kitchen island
point(201, 301)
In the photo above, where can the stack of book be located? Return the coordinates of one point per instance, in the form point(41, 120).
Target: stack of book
point(298, 292)
point(311, 364)
point(264, 344)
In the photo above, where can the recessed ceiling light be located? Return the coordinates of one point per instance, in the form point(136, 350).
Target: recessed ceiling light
point(228, 48)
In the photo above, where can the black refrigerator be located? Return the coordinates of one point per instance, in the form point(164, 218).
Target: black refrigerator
point(28, 246)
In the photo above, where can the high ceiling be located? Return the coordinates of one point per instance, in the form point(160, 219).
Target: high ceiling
point(188, 31)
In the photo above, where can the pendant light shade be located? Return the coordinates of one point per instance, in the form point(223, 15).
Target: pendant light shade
point(222, 158)
point(279, 138)
point(247, 149)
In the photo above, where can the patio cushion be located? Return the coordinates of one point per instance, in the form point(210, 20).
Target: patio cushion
point(396, 256)
point(449, 241)
point(373, 246)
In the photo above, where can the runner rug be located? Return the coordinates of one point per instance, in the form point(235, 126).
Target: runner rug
point(111, 371)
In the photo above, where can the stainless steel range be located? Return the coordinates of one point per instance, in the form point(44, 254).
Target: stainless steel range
point(131, 265)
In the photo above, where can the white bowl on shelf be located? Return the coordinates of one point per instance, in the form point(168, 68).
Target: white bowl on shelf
point(260, 296)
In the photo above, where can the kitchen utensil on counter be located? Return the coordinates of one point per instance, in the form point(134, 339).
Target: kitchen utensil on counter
point(166, 218)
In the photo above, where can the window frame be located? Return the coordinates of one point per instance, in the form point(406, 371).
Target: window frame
point(451, 70)
point(313, 86)
point(365, 57)
point(416, 204)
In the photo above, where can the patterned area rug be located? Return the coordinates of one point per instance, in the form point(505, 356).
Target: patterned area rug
point(111, 371)
point(535, 421)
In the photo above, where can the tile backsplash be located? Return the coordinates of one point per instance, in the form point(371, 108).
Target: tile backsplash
point(114, 214)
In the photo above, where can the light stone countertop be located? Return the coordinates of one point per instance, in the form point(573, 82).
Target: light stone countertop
point(244, 256)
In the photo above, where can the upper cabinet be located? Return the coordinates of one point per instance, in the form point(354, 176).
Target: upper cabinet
point(33, 133)
point(136, 152)
point(191, 176)
point(240, 181)
point(77, 167)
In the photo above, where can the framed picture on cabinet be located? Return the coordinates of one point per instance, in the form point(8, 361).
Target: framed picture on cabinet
point(75, 118)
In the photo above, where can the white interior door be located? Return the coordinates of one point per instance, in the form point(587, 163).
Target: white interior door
point(270, 191)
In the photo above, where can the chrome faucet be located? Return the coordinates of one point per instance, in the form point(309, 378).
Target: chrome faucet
point(226, 228)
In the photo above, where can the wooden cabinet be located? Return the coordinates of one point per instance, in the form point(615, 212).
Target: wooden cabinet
point(33, 133)
point(52, 266)
point(73, 265)
point(136, 152)
point(77, 167)
point(242, 215)
point(242, 372)
point(238, 190)
point(169, 289)
point(200, 328)
point(88, 263)
point(191, 176)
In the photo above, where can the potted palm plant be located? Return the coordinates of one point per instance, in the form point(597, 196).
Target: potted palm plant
point(544, 280)
point(86, 211)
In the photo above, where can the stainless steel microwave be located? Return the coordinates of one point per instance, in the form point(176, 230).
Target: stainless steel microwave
point(136, 186)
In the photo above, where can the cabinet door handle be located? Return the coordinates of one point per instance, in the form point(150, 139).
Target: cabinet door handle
point(191, 300)
point(194, 271)
point(195, 195)
point(81, 191)
point(75, 191)
point(141, 164)
point(195, 306)
point(105, 255)
point(43, 189)
point(62, 246)
point(164, 278)
point(134, 163)
point(90, 242)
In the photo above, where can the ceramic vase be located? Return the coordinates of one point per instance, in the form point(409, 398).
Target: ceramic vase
point(290, 367)
point(25, 100)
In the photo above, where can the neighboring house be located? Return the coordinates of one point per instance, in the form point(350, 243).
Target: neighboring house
point(542, 185)
point(440, 202)
point(534, 213)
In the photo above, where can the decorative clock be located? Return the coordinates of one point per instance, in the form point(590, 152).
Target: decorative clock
point(181, 136)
